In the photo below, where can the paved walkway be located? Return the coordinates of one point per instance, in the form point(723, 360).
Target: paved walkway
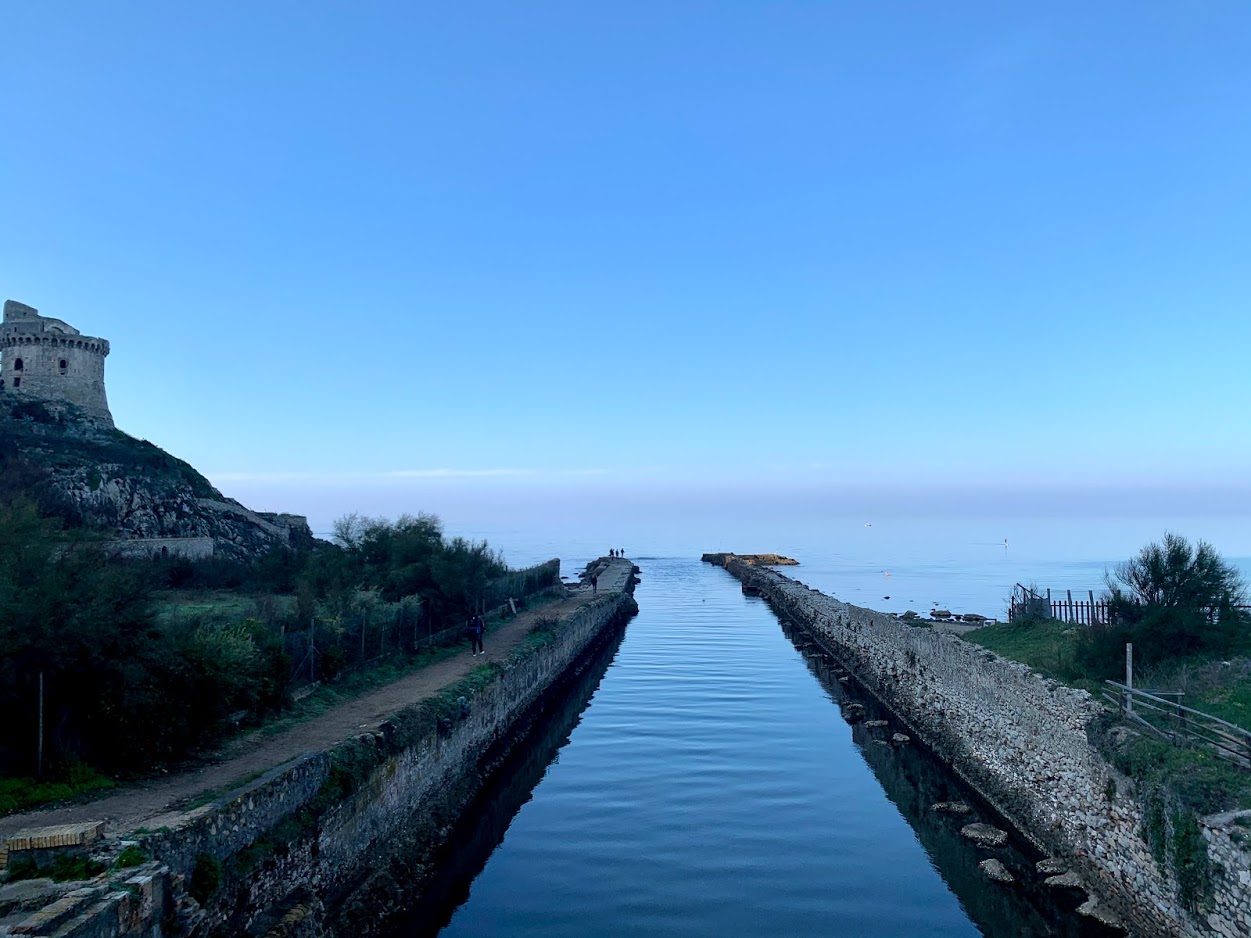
point(613, 574)
point(160, 802)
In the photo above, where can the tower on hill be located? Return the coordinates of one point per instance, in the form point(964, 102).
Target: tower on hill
point(48, 359)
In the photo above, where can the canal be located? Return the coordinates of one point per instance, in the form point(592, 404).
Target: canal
point(700, 779)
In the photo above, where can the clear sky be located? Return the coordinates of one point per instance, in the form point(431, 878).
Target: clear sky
point(662, 246)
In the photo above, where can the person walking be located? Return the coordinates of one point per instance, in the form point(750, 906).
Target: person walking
point(475, 629)
point(594, 585)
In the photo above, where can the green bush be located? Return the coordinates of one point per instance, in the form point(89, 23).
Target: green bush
point(134, 855)
point(1171, 600)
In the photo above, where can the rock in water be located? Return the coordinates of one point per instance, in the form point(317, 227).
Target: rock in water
point(996, 872)
point(1069, 880)
point(901, 739)
point(984, 835)
point(951, 807)
point(1101, 914)
point(1051, 867)
point(877, 723)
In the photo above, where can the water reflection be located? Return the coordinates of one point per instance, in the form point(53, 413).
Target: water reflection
point(713, 789)
point(485, 822)
point(914, 780)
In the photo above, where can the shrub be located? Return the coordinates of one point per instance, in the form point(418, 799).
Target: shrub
point(134, 855)
point(1171, 600)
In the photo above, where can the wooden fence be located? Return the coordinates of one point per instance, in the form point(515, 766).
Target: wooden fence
point(1027, 603)
point(1162, 713)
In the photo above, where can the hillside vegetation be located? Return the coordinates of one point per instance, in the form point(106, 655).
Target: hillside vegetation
point(1179, 605)
point(139, 664)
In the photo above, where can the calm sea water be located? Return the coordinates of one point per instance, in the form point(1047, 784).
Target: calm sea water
point(891, 563)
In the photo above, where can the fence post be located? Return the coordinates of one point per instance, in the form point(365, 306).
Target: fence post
point(1129, 677)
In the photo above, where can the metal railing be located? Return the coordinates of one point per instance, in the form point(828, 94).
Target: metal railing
point(1169, 719)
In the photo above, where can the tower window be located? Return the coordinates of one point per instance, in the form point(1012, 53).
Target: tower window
point(17, 364)
point(17, 382)
point(63, 365)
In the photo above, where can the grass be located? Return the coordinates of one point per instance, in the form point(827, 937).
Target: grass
point(22, 794)
point(1221, 688)
point(210, 795)
point(1048, 646)
point(214, 605)
point(353, 684)
point(134, 855)
point(1196, 777)
point(66, 869)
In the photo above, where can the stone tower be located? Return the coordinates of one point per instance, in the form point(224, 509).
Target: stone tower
point(50, 360)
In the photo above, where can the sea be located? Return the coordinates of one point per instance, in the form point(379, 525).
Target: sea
point(892, 564)
point(703, 779)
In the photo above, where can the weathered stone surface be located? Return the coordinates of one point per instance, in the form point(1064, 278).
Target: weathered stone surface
point(996, 872)
point(1051, 867)
point(1069, 880)
point(762, 560)
point(901, 739)
point(876, 724)
point(1093, 909)
point(951, 807)
point(984, 835)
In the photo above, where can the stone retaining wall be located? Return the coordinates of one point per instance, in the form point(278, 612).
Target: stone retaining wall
point(297, 862)
point(1021, 740)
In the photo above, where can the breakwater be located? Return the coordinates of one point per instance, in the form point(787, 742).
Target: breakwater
point(1021, 741)
point(337, 841)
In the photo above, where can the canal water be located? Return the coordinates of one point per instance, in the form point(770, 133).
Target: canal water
point(701, 779)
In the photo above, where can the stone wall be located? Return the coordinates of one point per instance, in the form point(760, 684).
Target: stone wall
point(191, 548)
point(342, 864)
point(1021, 740)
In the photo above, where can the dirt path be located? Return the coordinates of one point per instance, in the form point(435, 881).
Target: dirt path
point(152, 803)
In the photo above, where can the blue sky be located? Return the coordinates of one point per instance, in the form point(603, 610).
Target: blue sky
point(369, 254)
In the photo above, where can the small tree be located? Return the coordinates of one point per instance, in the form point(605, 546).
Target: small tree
point(1171, 600)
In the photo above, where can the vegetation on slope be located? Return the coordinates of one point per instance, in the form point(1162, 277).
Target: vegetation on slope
point(140, 664)
point(1179, 606)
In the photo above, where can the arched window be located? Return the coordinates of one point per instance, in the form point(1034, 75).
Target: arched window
point(63, 365)
point(17, 364)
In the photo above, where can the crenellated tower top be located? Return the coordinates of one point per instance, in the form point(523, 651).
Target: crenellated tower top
point(48, 359)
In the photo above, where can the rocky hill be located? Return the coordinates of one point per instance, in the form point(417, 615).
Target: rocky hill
point(134, 493)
